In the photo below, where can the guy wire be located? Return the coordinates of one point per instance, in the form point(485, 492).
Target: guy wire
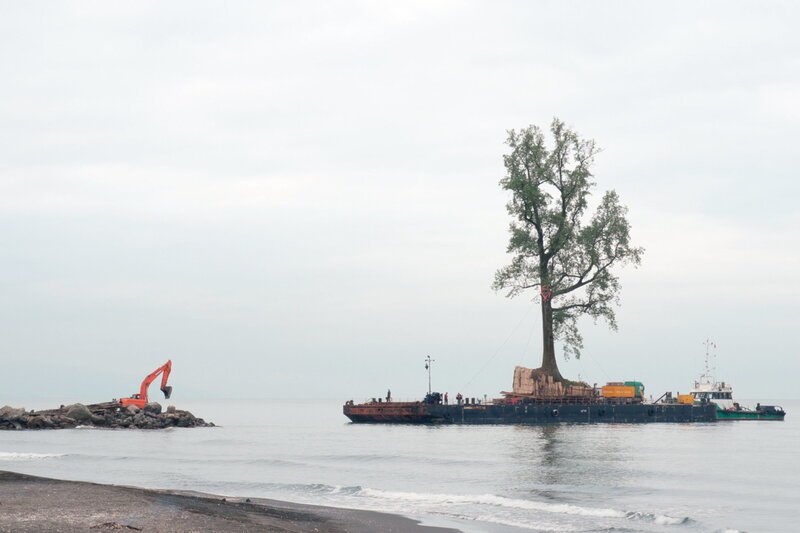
point(497, 351)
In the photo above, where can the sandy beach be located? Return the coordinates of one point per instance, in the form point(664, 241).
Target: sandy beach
point(36, 504)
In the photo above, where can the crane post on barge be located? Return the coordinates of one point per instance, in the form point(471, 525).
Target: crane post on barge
point(428, 364)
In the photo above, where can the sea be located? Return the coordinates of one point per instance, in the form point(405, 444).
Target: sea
point(712, 477)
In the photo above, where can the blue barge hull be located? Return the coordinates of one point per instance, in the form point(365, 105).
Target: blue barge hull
point(527, 413)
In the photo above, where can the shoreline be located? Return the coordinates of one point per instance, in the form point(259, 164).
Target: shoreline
point(33, 504)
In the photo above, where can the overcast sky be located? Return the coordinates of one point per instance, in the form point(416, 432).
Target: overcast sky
point(301, 199)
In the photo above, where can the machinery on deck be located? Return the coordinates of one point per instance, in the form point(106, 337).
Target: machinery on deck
point(623, 391)
point(140, 400)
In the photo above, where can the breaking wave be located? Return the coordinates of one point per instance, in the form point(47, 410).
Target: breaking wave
point(20, 456)
point(660, 519)
point(492, 500)
point(514, 503)
point(441, 501)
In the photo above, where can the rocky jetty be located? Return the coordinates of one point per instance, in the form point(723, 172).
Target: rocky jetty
point(104, 415)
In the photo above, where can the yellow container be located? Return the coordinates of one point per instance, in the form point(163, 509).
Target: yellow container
point(618, 391)
point(686, 399)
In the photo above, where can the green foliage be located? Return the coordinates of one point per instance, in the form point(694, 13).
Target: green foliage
point(555, 245)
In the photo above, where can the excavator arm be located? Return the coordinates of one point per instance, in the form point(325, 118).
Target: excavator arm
point(141, 399)
point(164, 370)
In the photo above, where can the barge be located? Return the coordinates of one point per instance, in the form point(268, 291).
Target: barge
point(527, 411)
point(537, 398)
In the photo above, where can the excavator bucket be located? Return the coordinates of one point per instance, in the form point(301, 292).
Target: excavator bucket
point(167, 391)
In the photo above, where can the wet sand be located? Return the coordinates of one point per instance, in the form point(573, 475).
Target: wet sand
point(36, 504)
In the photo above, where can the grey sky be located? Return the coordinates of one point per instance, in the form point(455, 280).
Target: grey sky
point(301, 199)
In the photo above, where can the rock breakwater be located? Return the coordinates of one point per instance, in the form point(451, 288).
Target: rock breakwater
point(105, 415)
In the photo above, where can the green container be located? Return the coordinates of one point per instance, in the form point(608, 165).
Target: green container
point(638, 387)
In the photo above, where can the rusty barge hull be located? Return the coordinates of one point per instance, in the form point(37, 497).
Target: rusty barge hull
point(392, 413)
point(527, 413)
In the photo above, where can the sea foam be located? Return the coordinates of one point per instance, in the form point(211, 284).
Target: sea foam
point(498, 501)
point(24, 456)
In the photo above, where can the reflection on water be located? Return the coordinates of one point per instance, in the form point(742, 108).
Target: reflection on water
point(555, 458)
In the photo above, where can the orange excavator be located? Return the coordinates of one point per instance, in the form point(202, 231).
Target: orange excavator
point(140, 400)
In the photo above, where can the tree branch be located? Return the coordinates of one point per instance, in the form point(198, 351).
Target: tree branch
point(581, 282)
point(584, 306)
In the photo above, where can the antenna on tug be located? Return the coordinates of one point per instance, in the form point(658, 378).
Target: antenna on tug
point(708, 370)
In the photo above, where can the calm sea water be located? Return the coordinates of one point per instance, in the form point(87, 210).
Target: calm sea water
point(733, 476)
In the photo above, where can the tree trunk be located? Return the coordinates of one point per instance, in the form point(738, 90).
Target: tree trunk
point(549, 363)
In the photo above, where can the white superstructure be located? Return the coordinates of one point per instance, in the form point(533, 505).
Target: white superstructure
point(708, 390)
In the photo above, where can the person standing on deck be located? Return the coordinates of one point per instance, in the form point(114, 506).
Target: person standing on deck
point(389, 395)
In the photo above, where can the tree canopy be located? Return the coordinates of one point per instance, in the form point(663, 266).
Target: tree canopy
point(556, 246)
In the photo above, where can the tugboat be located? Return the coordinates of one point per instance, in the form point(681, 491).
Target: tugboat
point(720, 393)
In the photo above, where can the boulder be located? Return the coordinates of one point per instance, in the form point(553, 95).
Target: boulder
point(65, 422)
point(153, 407)
point(186, 421)
point(171, 409)
point(79, 412)
point(12, 413)
point(132, 409)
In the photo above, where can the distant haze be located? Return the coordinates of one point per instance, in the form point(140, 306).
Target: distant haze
point(301, 199)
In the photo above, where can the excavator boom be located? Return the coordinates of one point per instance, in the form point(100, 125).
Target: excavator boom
point(141, 399)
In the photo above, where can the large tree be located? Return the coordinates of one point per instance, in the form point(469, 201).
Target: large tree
point(556, 247)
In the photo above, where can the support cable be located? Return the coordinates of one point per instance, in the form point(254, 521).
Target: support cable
point(497, 351)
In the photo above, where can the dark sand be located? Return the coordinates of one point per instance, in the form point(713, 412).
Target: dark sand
point(36, 504)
